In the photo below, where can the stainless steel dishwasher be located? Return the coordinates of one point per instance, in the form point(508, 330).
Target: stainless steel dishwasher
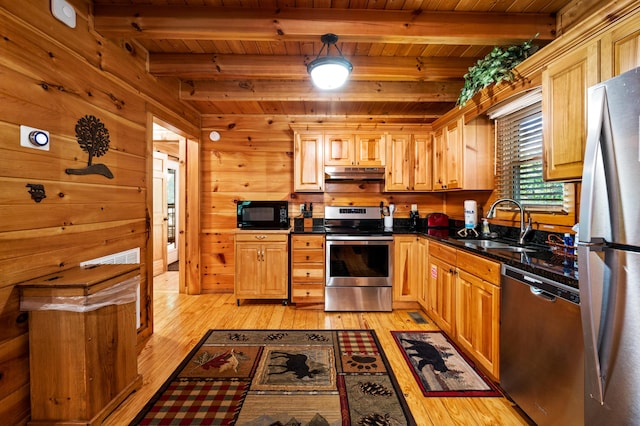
point(541, 349)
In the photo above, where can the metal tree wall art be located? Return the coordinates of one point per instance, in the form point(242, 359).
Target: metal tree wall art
point(93, 138)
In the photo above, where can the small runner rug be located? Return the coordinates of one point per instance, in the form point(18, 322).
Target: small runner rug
point(439, 367)
point(281, 377)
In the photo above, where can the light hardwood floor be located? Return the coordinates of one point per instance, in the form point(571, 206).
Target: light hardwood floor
point(181, 320)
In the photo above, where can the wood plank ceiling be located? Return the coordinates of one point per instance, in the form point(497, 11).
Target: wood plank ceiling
point(248, 57)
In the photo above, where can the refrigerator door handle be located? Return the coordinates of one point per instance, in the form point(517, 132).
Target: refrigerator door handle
point(594, 384)
point(592, 147)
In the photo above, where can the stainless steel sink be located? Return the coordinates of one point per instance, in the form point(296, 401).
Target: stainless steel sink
point(495, 245)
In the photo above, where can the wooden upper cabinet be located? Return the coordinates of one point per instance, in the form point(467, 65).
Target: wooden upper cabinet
point(360, 149)
point(422, 162)
point(339, 149)
point(370, 149)
point(463, 155)
point(448, 167)
point(564, 111)
point(398, 163)
point(409, 162)
point(620, 48)
point(308, 162)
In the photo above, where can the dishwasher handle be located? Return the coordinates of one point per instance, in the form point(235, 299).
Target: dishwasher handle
point(538, 292)
point(542, 287)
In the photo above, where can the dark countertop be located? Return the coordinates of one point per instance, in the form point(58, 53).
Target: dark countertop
point(541, 262)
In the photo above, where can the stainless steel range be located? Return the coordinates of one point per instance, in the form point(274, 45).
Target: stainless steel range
point(359, 260)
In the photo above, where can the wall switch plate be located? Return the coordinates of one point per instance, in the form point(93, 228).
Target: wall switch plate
point(31, 137)
point(301, 208)
point(64, 12)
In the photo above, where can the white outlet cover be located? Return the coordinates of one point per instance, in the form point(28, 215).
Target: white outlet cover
point(25, 131)
point(64, 12)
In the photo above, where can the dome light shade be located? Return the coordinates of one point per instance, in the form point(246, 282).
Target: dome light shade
point(329, 72)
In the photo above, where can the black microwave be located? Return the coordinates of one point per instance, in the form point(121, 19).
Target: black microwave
point(263, 214)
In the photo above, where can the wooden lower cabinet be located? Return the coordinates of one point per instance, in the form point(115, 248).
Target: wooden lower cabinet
point(463, 298)
point(441, 285)
point(262, 264)
point(406, 268)
point(477, 326)
point(423, 258)
point(307, 269)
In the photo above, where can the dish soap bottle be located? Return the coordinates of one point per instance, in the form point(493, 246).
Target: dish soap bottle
point(485, 227)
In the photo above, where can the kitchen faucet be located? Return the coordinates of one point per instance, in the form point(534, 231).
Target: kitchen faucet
point(523, 230)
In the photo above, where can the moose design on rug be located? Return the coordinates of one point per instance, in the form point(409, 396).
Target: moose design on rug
point(296, 364)
point(296, 368)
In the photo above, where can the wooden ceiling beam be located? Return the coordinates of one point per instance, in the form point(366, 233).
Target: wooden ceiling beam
point(298, 90)
point(218, 66)
point(308, 24)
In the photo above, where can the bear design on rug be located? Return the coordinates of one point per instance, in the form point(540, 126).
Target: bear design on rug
point(295, 363)
point(428, 355)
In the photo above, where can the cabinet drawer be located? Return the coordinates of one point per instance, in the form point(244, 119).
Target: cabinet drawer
point(307, 273)
point(307, 293)
point(308, 256)
point(261, 237)
point(299, 242)
point(479, 266)
point(442, 252)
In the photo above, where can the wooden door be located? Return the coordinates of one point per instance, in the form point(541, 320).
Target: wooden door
point(404, 269)
point(308, 162)
point(422, 162)
point(439, 160)
point(564, 111)
point(454, 152)
point(338, 149)
point(370, 149)
point(275, 266)
point(620, 49)
point(249, 267)
point(398, 163)
point(159, 219)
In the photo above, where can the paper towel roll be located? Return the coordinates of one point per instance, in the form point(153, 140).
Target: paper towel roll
point(470, 214)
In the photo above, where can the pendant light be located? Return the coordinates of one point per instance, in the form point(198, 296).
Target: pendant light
point(329, 72)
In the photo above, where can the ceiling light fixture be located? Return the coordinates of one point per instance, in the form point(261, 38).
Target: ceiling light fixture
point(329, 72)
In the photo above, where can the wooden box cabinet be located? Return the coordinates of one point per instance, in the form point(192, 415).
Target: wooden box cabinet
point(262, 265)
point(82, 343)
point(307, 269)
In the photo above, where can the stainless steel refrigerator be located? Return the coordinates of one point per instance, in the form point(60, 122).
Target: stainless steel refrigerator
point(609, 252)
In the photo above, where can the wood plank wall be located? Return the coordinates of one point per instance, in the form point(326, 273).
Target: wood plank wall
point(51, 76)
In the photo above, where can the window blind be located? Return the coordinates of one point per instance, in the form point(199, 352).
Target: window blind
point(519, 161)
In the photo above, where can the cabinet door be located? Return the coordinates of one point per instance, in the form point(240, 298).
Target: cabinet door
point(621, 49)
point(405, 268)
point(441, 292)
point(339, 149)
point(564, 109)
point(248, 270)
point(308, 162)
point(439, 160)
point(370, 149)
point(398, 163)
point(477, 320)
point(453, 160)
point(421, 281)
point(422, 162)
point(274, 266)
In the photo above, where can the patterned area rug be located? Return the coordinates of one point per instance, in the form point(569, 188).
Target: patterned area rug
point(283, 377)
point(439, 367)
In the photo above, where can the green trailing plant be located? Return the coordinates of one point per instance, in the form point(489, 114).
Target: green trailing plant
point(497, 66)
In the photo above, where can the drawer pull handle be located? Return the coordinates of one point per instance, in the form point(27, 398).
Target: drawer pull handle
point(307, 257)
point(261, 237)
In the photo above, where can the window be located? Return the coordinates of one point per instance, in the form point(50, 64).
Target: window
point(519, 157)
